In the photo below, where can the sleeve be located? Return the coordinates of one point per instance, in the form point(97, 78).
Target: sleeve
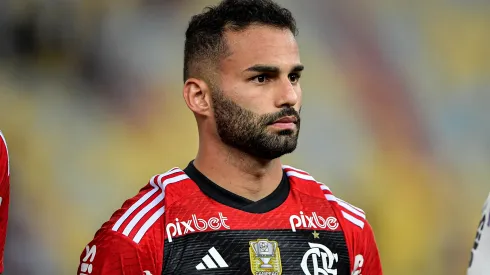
point(111, 253)
point(366, 257)
point(4, 195)
point(480, 251)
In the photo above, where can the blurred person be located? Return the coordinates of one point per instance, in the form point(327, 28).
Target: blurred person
point(235, 209)
point(480, 252)
point(4, 196)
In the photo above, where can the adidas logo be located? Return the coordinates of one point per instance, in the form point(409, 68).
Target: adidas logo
point(212, 260)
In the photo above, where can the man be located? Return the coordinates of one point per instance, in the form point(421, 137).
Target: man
point(480, 252)
point(236, 209)
point(4, 195)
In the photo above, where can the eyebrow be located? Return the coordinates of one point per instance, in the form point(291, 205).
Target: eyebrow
point(272, 69)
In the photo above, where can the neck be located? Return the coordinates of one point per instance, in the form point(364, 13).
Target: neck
point(237, 172)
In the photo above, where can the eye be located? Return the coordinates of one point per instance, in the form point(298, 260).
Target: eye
point(260, 79)
point(294, 78)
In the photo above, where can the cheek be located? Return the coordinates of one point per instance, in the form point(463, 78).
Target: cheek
point(252, 99)
point(299, 94)
point(259, 105)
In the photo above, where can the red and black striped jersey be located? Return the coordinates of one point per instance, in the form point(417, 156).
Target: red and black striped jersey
point(4, 195)
point(183, 223)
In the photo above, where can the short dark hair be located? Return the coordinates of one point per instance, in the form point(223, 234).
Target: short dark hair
point(204, 38)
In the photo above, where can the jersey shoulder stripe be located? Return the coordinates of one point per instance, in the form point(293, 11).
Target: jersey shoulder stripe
point(351, 213)
point(4, 141)
point(144, 212)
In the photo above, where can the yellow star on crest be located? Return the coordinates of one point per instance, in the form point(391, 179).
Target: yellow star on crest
point(316, 235)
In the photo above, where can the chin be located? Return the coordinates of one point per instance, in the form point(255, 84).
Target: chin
point(276, 154)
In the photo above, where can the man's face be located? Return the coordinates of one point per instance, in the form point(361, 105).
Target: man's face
point(257, 105)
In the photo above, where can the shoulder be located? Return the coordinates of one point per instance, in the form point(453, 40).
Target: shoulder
point(480, 251)
point(485, 216)
point(358, 234)
point(3, 143)
point(140, 215)
point(349, 214)
point(486, 205)
point(135, 230)
point(4, 157)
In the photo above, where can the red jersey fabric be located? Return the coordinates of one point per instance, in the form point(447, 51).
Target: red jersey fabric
point(4, 195)
point(174, 226)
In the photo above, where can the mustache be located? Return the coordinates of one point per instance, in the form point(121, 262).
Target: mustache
point(289, 111)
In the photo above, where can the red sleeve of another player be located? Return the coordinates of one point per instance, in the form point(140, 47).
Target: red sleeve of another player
point(111, 253)
point(4, 195)
point(366, 259)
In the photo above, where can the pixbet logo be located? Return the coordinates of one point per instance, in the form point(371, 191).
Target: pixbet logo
point(313, 221)
point(195, 224)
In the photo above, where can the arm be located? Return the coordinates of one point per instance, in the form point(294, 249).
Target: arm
point(366, 259)
point(111, 253)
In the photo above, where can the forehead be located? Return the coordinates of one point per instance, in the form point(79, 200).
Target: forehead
point(260, 45)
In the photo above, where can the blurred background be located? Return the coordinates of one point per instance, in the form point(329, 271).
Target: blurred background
point(396, 118)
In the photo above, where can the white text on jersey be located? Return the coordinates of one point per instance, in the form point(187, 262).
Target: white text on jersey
point(313, 221)
point(195, 224)
point(86, 266)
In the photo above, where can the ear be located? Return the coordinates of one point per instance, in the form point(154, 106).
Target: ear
point(197, 96)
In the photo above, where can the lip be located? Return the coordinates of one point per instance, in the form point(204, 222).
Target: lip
point(287, 119)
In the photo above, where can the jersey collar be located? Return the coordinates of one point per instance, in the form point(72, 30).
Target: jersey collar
point(223, 196)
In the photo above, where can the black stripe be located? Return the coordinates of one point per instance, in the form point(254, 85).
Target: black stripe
point(183, 254)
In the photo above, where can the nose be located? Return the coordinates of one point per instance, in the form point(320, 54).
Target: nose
point(287, 94)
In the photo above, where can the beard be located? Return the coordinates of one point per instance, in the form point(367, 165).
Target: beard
point(247, 131)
